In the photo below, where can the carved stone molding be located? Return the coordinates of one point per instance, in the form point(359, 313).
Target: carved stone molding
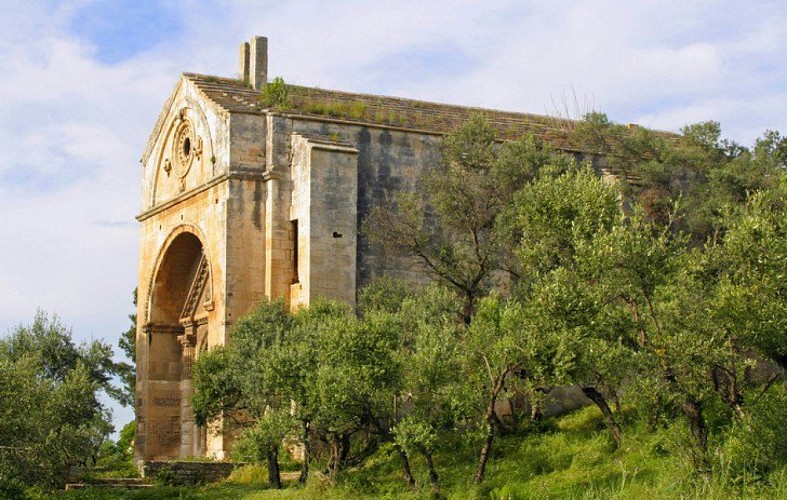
point(188, 341)
point(186, 149)
point(149, 328)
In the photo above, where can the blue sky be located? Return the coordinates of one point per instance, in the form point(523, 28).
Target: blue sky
point(84, 80)
point(120, 29)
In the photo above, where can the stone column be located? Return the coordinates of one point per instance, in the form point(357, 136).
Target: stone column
point(158, 413)
point(188, 342)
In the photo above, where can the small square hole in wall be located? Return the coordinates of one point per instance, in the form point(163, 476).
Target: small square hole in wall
point(337, 234)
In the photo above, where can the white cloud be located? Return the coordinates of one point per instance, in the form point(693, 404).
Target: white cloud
point(72, 133)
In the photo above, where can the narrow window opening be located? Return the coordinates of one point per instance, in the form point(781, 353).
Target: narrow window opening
point(294, 231)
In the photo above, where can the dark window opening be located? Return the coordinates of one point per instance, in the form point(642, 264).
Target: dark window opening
point(294, 230)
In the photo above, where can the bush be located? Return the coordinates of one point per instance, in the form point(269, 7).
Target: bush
point(277, 94)
point(757, 444)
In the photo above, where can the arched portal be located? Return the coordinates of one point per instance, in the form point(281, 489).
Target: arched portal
point(177, 328)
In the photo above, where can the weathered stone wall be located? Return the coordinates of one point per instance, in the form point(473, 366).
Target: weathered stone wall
point(203, 194)
point(389, 161)
point(160, 394)
point(246, 248)
point(187, 473)
point(324, 209)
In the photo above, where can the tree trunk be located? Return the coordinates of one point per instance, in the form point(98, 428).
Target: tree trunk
point(306, 453)
point(408, 474)
point(432, 472)
point(535, 412)
point(468, 309)
point(512, 410)
point(340, 448)
point(692, 409)
point(274, 478)
point(609, 417)
point(344, 448)
point(333, 462)
point(613, 396)
point(726, 386)
point(782, 362)
point(490, 419)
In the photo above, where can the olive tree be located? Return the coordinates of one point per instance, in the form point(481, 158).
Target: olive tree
point(448, 223)
point(52, 414)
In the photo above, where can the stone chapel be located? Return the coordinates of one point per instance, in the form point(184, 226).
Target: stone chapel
point(240, 203)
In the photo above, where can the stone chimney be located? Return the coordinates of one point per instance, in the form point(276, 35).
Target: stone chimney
point(254, 62)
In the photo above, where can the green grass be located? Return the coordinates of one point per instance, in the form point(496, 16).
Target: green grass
point(352, 111)
point(570, 457)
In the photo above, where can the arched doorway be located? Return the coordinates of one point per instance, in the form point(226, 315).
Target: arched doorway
point(177, 328)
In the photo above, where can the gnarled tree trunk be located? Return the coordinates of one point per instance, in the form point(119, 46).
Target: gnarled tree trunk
point(340, 448)
point(692, 409)
point(490, 437)
point(598, 399)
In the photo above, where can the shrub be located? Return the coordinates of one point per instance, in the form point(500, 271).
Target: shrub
point(757, 444)
point(277, 94)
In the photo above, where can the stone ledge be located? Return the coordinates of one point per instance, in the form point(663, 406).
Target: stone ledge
point(180, 473)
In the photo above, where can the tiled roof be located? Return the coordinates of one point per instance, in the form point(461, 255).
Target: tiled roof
point(234, 96)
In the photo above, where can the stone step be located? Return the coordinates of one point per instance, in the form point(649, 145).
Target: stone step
point(127, 486)
point(119, 480)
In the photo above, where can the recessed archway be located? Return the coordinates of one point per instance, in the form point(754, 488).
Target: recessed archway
point(177, 327)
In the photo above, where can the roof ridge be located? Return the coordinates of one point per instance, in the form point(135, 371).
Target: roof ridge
point(434, 104)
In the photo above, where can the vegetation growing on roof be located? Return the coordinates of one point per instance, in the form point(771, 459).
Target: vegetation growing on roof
point(276, 95)
point(352, 111)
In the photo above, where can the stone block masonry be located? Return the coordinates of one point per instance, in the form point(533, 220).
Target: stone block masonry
point(177, 473)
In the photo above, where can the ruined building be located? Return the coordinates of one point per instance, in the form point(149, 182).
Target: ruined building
point(240, 202)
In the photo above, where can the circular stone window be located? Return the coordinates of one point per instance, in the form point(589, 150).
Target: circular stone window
point(183, 149)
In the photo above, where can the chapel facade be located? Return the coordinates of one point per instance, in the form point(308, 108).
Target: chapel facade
point(241, 203)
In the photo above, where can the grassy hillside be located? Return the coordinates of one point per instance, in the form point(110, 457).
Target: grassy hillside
point(570, 457)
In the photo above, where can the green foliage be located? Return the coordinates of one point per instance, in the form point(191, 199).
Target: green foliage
point(125, 370)
point(662, 293)
point(757, 444)
point(414, 435)
point(256, 443)
point(116, 459)
point(355, 110)
point(698, 169)
point(322, 367)
point(552, 216)
point(383, 295)
point(450, 222)
point(49, 399)
point(276, 94)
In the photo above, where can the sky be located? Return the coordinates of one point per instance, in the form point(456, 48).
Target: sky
point(83, 81)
